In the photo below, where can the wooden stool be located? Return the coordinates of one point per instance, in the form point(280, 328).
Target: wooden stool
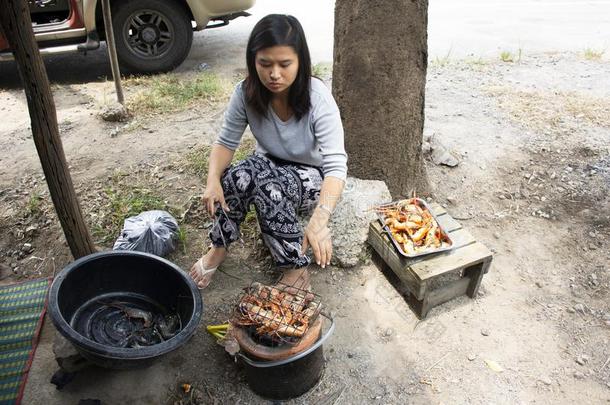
point(431, 280)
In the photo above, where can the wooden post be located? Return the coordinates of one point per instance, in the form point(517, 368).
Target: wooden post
point(114, 62)
point(17, 26)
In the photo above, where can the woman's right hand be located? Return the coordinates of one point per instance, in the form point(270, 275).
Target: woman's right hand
point(214, 194)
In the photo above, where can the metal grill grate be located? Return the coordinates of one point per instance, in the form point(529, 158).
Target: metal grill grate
point(276, 315)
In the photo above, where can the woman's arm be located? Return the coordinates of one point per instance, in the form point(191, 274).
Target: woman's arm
point(317, 234)
point(233, 126)
point(220, 159)
point(328, 131)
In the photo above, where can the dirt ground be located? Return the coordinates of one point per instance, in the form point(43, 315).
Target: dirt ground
point(532, 184)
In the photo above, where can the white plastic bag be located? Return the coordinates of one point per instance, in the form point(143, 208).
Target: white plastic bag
point(150, 231)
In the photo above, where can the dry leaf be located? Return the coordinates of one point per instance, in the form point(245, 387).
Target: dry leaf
point(494, 366)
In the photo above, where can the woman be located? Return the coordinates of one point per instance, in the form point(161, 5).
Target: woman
point(299, 165)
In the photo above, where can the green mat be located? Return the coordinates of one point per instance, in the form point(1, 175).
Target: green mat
point(22, 309)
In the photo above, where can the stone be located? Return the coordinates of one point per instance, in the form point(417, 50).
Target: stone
point(582, 360)
point(472, 357)
point(202, 67)
point(349, 223)
point(485, 332)
point(428, 135)
point(66, 355)
point(426, 147)
point(114, 113)
point(442, 156)
point(579, 308)
point(570, 310)
point(579, 375)
point(5, 271)
point(546, 380)
point(388, 332)
point(438, 152)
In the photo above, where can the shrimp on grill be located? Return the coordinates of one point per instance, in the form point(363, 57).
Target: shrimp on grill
point(274, 312)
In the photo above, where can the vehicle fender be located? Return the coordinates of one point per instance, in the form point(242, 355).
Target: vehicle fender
point(202, 10)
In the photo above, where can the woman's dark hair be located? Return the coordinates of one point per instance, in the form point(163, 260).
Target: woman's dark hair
point(282, 30)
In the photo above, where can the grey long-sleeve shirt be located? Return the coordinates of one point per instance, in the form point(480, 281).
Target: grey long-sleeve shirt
point(316, 139)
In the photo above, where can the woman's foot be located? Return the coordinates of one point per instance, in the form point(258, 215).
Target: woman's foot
point(294, 280)
point(204, 269)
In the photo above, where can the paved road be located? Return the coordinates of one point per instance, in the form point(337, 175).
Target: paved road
point(456, 28)
point(485, 27)
point(478, 27)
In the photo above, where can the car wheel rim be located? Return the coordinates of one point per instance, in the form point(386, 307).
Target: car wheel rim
point(148, 33)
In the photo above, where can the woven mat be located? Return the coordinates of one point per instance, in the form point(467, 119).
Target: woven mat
point(22, 309)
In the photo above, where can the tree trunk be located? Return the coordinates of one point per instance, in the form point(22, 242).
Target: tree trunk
point(379, 79)
point(17, 26)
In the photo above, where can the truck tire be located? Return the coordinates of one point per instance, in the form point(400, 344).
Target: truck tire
point(151, 35)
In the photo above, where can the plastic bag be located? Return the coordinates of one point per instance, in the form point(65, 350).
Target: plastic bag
point(150, 231)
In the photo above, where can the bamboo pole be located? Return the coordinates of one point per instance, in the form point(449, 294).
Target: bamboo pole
point(114, 62)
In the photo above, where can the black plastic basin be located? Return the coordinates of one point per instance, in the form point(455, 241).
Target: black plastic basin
point(146, 280)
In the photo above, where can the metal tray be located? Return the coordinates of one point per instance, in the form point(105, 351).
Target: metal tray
point(425, 205)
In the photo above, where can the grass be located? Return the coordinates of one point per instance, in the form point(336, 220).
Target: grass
point(197, 160)
point(246, 148)
point(182, 238)
point(365, 255)
point(123, 198)
point(249, 227)
point(322, 70)
point(443, 60)
point(33, 205)
point(508, 57)
point(171, 92)
point(593, 54)
point(133, 125)
point(477, 64)
point(546, 111)
point(476, 61)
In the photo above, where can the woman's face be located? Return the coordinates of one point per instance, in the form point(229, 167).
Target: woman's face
point(277, 68)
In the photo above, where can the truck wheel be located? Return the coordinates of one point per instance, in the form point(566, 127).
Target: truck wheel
point(151, 35)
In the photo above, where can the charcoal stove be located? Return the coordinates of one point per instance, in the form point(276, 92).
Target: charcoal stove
point(277, 366)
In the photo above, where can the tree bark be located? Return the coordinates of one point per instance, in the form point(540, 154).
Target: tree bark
point(16, 24)
point(379, 79)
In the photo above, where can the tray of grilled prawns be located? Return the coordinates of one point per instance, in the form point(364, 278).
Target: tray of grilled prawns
point(413, 228)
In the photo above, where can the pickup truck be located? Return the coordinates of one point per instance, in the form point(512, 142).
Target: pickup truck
point(151, 35)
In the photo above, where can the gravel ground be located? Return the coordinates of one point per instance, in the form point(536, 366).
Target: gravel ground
point(531, 138)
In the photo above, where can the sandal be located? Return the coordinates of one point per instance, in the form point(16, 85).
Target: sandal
point(201, 271)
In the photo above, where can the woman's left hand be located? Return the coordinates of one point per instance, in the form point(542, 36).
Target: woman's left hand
point(318, 236)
